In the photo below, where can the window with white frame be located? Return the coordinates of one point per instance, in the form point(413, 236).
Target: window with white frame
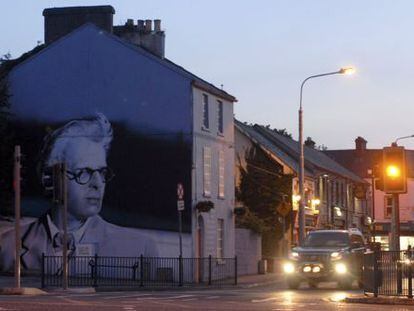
point(207, 171)
point(388, 203)
point(206, 123)
point(221, 175)
point(220, 238)
point(220, 116)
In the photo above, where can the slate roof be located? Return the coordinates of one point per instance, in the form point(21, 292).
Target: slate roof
point(287, 150)
point(359, 161)
point(197, 81)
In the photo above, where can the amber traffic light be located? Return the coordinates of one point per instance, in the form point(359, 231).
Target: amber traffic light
point(394, 170)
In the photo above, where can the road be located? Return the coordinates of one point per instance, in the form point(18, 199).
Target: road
point(259, 298)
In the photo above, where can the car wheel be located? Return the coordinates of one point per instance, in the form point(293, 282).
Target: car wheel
point(293, 284)
point(345, 284)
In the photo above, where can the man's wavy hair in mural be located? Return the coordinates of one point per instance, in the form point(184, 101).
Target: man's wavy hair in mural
point(96, 129)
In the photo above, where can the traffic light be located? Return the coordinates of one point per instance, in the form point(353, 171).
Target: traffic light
point(51, 180)
point(394, 170)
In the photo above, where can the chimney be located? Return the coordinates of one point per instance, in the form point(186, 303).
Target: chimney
point(61, 21)
point(360, 144)
point(148, 25)
point(140, 25)
point(157, 25)
point(144, 35)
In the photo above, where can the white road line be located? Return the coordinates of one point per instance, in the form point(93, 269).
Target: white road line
point(265, 299)
point(177, 297)
point(127, 296)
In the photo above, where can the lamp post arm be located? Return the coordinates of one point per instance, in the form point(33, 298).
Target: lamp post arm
point(315, 76)
point(404, 137)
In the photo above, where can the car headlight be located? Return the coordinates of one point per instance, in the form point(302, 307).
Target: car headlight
point(341, 268)
point(288, 267)
point(336, 255)
point(294, 255)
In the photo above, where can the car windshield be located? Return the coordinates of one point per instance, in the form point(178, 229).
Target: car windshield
point(327, 239)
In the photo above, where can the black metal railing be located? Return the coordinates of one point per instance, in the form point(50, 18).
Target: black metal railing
point(389, 273)
point(139, 271)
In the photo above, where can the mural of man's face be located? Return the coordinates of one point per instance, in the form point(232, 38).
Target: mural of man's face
point(85, 200)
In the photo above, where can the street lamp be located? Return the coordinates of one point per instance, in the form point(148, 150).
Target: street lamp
point(302, 233)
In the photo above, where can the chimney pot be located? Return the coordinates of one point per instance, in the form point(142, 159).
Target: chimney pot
point(140, 25)
point(130, 22)
point(157, 25)
point(148, 25)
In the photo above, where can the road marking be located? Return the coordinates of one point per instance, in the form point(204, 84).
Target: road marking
point(265, 299)
point(176, 297)
point(189, 299)
point(212, 297)
point(126, 296)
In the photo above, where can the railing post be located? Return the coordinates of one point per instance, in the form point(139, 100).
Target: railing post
point(43, 271)
point(410, 274)
point(95, 271)
point(376, 273)
point(209, 269)
point(141, 270)
point(235, 270)
point(180, 270)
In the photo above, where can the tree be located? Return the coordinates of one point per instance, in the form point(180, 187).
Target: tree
point(263, 188)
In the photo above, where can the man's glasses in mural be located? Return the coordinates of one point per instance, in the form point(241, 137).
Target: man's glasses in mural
point(84, 175)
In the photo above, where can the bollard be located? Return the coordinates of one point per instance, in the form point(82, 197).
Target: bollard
point(141, 270)
point(43, 271)
point(235, 270)
point(180, 270)
point(376, 273)
point(95, 272)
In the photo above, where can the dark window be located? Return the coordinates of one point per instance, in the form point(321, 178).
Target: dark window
point(220, 116)
point(388, 206)
point(206, 123)
point(357, 239)
point(327, 239)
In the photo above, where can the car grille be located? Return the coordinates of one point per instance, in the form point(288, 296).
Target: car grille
point(324, 258)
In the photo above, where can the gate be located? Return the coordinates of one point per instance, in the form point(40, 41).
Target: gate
point(389, 273)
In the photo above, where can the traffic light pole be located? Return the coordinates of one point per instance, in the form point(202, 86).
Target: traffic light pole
point(65, 223)
point(395, 223)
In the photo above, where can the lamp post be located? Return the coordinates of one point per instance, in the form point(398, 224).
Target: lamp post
point(301, 216)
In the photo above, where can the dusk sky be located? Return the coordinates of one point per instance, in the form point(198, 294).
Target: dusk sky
point(260, 51)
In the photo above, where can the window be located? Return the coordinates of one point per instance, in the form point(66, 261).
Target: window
point(206, 123)
point(220, 238)
point(207, 171)
point(337, 193)
point(220, 116)
point(388, 203)
point(221, 175)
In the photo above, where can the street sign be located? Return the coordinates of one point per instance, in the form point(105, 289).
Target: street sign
point(180, 205)
point(180, 191)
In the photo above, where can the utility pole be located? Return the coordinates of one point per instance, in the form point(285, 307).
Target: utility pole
point(63, 191)
point(17, 167)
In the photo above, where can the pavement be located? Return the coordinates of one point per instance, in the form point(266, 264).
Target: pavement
point(31, 285)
